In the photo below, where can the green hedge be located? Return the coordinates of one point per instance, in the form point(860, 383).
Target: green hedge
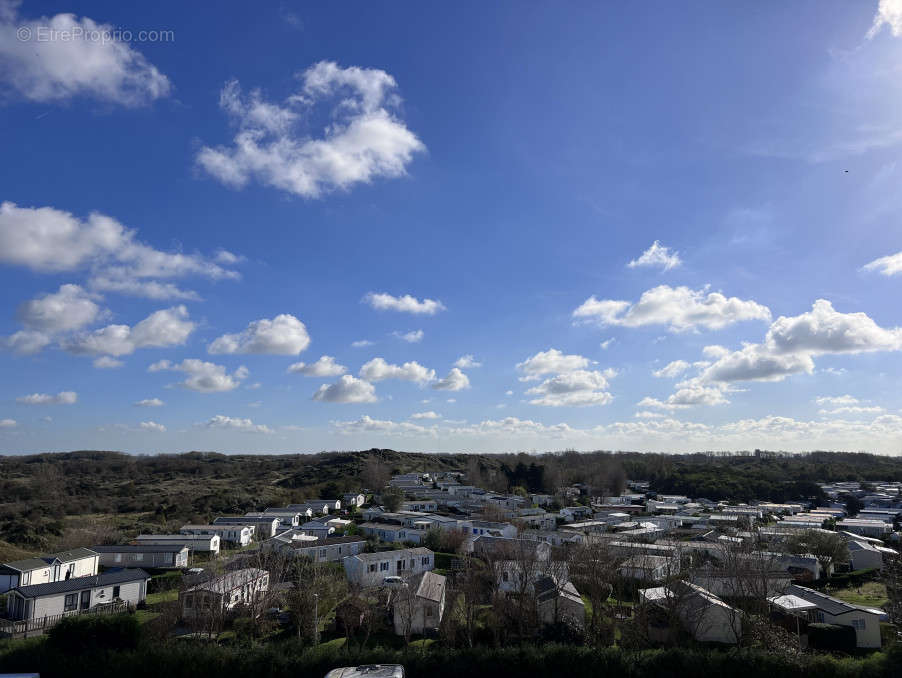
point(180, 659)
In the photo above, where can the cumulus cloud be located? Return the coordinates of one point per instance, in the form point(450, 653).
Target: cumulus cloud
point(236, 424)
point(455, 381)
point(412, 337)
point(426, 415)
point(70, 308)
point(48, 240)
point(347, 389)
point(106, 362)
point(889, 13)
point(688, 394)
point(27, 342)
point(324, 367)
point(659, 256)
point(203, 377)
point(150, 402)
point(378, 369)
point(367, 424)
point(168, 327)
point(361, 343)
point(580, 388)
point(92, 63)
point(404, 304)
point(549, 362)
point(672, 369)
point(466, 362)
point(7, 423)
point(365, 139)
point(61, 398)
point(152, 426)
point(283, 335)
point(679, 308)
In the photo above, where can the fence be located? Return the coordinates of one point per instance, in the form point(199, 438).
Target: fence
point(22, 629)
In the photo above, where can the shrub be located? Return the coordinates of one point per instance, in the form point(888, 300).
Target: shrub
point(92, 632)
point(831, 637)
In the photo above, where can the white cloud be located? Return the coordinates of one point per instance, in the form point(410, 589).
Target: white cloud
point(508, 393)
point(657, 255)
point(168, 327)
point(679, 308)
point(580, 388)
point(7, 423)
point(61, 398)
point(606, 344)
point(837, 401)
point(27, 342)
point(549, 362)
point(378, 369)
point(106, 362)
point(236, 424)
point(688, 394)
point(455, 381)
point(203, 377)
point(324, 367)
point(152, 426)
point(791, 343)
point(48, 240)
point(466, 362)
point(364, 141)
point(347, 389)
point(889, 13)
point(645, 414)
point(68, 309)
point(856, 409)
point(361, 343)
point(425, 415)
point(888, 265)
point(367, 424)
point(150, 402)
point(93, 62)
point(283, 335)
point(412, 337)
point(672, 369)
point(404, 304)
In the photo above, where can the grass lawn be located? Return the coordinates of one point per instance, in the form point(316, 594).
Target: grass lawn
point(869, 594)
point(162, 597)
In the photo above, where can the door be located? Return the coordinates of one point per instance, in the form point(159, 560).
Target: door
point(85, 600)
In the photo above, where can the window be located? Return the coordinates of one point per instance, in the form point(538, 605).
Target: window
point(425, 560)
point(118, 558)
point(373, 567)
point(189, 602)
point(858, 624)
point(115, 592)
point(71, 602)
point(400, 565)
point(383, 567)
point(139, 557)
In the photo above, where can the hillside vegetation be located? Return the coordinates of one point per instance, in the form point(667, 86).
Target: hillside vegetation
point(50, 501)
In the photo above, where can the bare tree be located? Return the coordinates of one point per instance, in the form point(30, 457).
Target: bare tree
point(472, 582)
point(593, 570)
point(828, 547)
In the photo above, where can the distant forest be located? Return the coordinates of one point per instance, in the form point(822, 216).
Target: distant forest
point(61, 500)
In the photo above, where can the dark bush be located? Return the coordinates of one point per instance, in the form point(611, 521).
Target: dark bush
point(831, 637)
point(93, 632)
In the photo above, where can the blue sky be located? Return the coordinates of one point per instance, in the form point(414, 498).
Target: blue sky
point(478, 226)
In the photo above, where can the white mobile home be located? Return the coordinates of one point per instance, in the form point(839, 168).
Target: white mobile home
point(157, 556)
point(371, 569)
point(34, 602)
point(239, 535)
point(266, 527)
point(420, 604)
point(196, 543)
point(53, 567)
point(826, 609)
point(223, 594)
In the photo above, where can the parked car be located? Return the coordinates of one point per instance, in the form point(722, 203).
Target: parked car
point(393, 582)
point(368, 671)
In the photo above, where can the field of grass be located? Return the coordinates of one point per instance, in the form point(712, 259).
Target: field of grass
point(162, 597)
point(869, 594)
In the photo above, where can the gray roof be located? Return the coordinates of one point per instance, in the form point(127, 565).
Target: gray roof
point(27, 564)
point(81, 583)
point(231, 580)
point(432, 587)
point(139, 548)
